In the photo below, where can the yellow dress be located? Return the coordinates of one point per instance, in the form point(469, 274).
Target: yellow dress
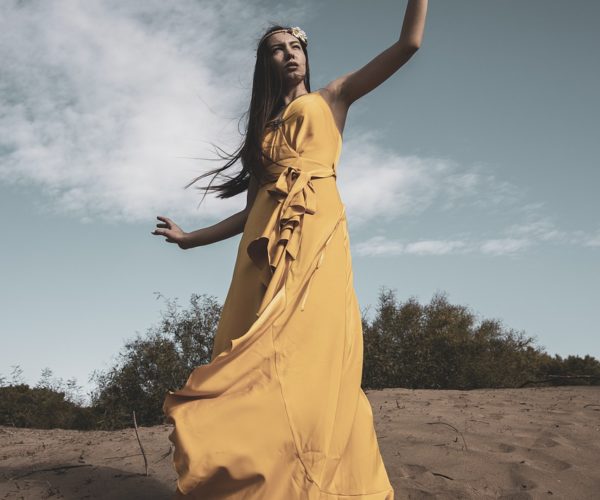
point(279, 413)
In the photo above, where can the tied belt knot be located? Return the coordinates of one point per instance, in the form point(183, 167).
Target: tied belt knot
point(295, 193)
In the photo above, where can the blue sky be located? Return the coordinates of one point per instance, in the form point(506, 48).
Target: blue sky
point(473, 170)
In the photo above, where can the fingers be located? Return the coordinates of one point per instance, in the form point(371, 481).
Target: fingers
point(162, 232)
point(165, 224)
point(165, 229)
point(165, 219)
point(167, 235)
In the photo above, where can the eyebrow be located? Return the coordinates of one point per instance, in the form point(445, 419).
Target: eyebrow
point(282, 43)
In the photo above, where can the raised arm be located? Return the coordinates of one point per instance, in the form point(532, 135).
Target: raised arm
point(350, 87)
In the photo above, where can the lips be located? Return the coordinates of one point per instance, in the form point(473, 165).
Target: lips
point(291, 65)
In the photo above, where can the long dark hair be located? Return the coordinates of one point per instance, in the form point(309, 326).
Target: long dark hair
point(266, 99)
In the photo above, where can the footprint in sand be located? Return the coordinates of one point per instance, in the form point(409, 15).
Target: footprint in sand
point(544, 461)
point(499, 447)
point(505, 448)
point(523, 485)
point(545, 442)
point(412, 470)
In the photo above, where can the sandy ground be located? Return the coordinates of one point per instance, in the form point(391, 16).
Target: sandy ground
point(502, 443)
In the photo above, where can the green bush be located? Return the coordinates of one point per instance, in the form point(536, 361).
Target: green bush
point(444, 346)
point(41, 408)
point(150, 366)
point(437, 345)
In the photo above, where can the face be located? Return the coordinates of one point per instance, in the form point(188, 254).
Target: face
point(287, 57)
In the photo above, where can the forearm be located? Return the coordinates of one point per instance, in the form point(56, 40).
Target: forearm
point(414, 23)
point(222, 230)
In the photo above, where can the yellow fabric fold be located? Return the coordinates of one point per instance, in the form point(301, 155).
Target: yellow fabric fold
point(281, 239)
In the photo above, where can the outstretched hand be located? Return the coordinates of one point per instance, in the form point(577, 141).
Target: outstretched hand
point(172, 232)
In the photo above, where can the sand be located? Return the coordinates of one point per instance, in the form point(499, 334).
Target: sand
point(497, 443)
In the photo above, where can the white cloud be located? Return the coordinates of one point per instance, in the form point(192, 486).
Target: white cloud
point(504, 246)
point(103, 103)
point(434, 247)
point(378, 184)
point(593, 241)
point(532, 234)
point(108, 106)
point(539, 229)
point(381, 246)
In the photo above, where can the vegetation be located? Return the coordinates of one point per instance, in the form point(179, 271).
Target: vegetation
point(445, 346)
point(150, 366)
point(51, 403)
point(436, 346)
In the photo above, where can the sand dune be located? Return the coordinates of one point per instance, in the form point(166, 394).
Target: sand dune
point(507, 443)
point(498, 443)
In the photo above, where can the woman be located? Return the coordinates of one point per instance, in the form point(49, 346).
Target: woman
point(279, 412)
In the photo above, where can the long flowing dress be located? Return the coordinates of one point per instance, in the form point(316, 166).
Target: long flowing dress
point(279, 413)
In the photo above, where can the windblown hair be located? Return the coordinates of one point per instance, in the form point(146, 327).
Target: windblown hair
point(266, 100)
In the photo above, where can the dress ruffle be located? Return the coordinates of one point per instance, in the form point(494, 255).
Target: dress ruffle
point(281, 238)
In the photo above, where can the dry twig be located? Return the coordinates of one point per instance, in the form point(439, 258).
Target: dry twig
point(50, 469)
point(443, 475)
point(452, 427)
point(165, 455)
point(140, 443)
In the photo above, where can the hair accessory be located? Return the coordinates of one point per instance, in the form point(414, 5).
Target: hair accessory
point(300, 34)
point(294, 30)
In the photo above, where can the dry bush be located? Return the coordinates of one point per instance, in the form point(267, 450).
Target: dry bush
point(444, 346)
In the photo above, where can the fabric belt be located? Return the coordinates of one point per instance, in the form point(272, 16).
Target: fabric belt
point(294, 191)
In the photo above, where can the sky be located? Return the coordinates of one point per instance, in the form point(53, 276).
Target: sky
point(472, 171)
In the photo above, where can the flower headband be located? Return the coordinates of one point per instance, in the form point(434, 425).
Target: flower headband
point(295, 30)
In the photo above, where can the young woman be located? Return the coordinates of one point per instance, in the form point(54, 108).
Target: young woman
point(279, 412)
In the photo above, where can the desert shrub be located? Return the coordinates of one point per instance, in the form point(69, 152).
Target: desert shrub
point(41, 408)
point(438, 345)
point(148, 367)
point(445, 346)
point(557, 370)
point(378, 342)
point(51, 403)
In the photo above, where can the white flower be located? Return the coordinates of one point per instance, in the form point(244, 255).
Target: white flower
point(298, 33)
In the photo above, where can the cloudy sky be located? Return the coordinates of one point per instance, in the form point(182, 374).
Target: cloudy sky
point(473, 170)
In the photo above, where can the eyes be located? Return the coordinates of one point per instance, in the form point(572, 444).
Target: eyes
point(294, 46)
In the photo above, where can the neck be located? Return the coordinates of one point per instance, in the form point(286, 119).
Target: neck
point(292, 93)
